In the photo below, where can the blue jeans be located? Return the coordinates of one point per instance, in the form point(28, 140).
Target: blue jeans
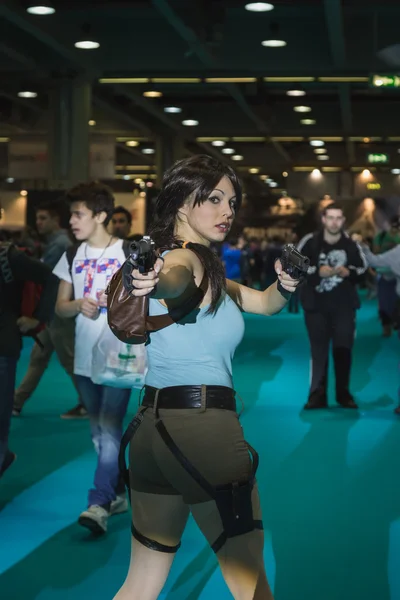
point(8, 368)
point(107, 408)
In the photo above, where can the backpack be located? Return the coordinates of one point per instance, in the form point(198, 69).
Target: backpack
point(30, 292)
point(128, 316)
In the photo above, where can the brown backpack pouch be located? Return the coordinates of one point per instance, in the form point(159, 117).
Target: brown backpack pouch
point(128, 316)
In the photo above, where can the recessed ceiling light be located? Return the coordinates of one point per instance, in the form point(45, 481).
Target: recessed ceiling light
point(43, 9)
point(320, 150)
point(285, 174)
point(323, 157)
point(396, 171)
point(218, 143)
point(295, 93)
point(308, 121)
point(27, 94)
point(172, 109)
point(273, 184)
point(254, 170)
point(132, 143)
point(126, 177)
point(274, 43)
point(259, 6)
point(228, 151)
point(148, 151)
point(190, 122)
point(23, 193)
point(92, 123)
point(10, 179)
point(317, 143)
point(237, 157)
point(152, 94)
point(87, 45)
point(302, 109)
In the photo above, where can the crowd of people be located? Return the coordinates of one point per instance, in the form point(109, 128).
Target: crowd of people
point(189, 395)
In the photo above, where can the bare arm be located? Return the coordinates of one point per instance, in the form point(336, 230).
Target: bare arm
point(269, 302)
point(181, 271)
point(65, 307)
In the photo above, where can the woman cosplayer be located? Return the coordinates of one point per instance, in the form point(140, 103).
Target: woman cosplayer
point(188, 454)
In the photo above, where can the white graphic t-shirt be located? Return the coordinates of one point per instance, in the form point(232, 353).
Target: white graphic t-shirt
point(92, 269)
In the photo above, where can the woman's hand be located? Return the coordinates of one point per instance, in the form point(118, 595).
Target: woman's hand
point(144, 284)
point(287, 282)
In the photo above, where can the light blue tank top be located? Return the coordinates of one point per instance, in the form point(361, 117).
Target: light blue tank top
point(199, 350)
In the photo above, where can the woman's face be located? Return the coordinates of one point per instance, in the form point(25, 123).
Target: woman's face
point(212, 220)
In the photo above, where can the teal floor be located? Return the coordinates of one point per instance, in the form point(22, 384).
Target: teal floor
point(329, 483)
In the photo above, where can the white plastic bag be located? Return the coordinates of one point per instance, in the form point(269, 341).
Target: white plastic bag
point(117, 364)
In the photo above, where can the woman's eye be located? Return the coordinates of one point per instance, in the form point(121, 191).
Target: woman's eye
point(233, 205)
point(214, 199)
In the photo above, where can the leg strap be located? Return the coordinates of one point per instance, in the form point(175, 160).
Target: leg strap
point(233, 501)
point(152, 544)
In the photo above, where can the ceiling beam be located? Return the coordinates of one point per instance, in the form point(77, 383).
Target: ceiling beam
point(334, 22)
point(189, 36)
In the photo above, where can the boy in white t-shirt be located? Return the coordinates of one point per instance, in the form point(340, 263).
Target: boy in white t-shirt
point(81, 295)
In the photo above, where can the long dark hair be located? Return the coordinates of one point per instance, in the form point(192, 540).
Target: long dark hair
point(197, 176)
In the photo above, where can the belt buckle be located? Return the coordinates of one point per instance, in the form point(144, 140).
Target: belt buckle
point(203, 398)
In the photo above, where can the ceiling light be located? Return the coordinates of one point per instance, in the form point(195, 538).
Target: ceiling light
point(302, 109)
point(190, 122)
point(237, 157)
point(86, 42)
point(92, 123)
point(274, 43)
point(317, 143)
point(254, 170)
point(152, 94)
point(27, 94)
point(228, 151)
point(126, 177)
point(323, 157)
point(295, 93)
point(259, 6)
point(42, 9)
point(320, 150)
point(148, 151)
point(366, 173)
point(132, 143)
point(172, 109)
point(316, 173)
point(285, 174)
point(11, 179)
point(273, 184)
point(308, 121)
point(23, 193)
point(218, 143)
point(396, 171)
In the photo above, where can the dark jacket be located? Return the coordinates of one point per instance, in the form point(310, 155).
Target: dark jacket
point(15, 269)
point(332, 293)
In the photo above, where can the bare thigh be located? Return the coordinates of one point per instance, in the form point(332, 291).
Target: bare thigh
point(241, 557)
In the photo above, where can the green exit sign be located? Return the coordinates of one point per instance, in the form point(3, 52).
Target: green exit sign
point(378, 158)
point(388, 80)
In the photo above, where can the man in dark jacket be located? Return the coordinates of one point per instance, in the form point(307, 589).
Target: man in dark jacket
point(15, 269)
point(330, 300)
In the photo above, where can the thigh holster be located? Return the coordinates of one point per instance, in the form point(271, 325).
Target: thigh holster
point(234, 500)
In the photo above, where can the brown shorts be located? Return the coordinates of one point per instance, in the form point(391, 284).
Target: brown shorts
point(212, 440)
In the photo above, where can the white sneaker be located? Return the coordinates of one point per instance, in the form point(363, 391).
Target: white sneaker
point(95, 518)
point(119, 505)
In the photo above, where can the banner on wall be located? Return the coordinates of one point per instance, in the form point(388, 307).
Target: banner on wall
point(28, 159)
point(102, 158)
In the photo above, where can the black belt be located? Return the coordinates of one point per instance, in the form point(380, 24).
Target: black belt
point(190, 396)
